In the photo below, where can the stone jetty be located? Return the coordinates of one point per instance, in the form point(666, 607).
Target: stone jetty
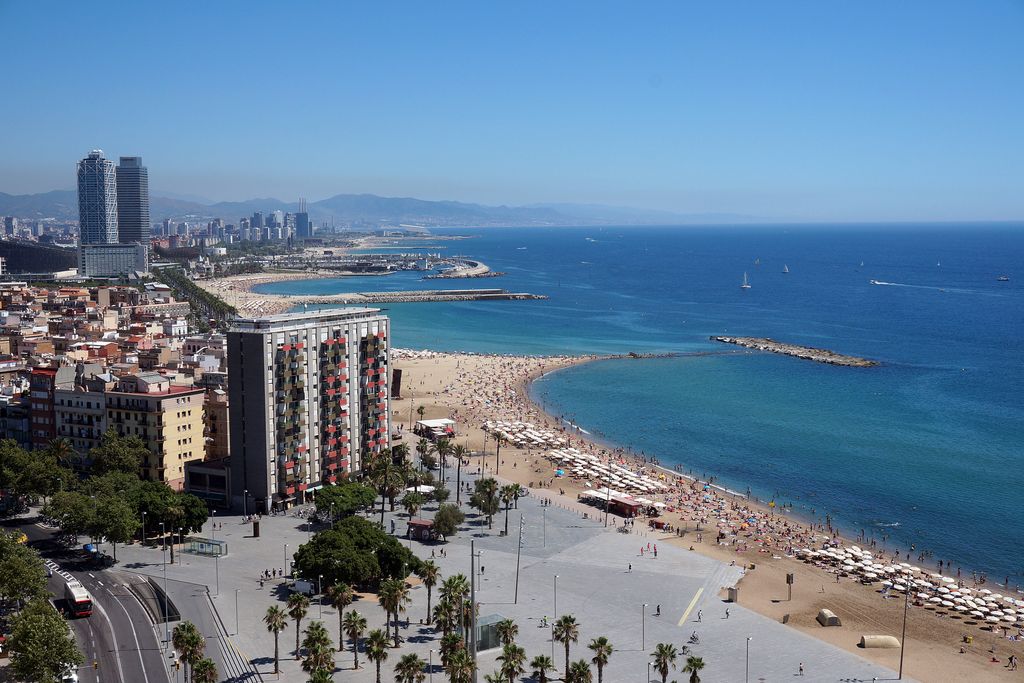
point(422, 295)
point(805, 352)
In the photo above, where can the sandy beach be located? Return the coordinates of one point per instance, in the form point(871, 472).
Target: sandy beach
point(473, 389)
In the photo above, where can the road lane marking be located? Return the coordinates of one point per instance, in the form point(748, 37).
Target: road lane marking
point(138, 648)
point(689, 608)
point(113, 638)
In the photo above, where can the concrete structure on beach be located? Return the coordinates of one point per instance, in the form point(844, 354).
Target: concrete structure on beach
point(805, 352)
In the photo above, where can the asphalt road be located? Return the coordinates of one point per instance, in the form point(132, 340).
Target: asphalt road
point(119, 640)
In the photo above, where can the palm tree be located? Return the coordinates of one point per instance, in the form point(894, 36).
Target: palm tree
point(444, 616)
point(541, 665)
point(189, 644)
point(579, 672)
point(429, 573)
point(409, 669)
point(298, 606)
point(393, 596)
point(204, 671)
point(455, 589)
point(566, 631)
point(507, 630)
point(319, 649)
point(602, 650)
point(355, 626)
point(450, 644)
point(459, 452)
point(485, 499)
point(276, 620)
point(340, 596)
point(443, 448)
point(377, 648)
point(412, 502)
point(693, 667)
point(498, 439)
point(509, 494)
point(421, 411)
point(460, 667)
point(512, 659)
point(664, 655)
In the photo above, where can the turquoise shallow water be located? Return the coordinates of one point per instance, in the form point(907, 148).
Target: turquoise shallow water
point(925, 449)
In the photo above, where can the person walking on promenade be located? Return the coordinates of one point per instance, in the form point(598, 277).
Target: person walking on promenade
point(801, 671)
point(700, 614)
point(726, 612)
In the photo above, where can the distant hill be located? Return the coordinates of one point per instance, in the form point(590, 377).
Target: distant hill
point(372, 209)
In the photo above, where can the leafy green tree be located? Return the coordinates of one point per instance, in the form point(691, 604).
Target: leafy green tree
point(512, 660)
point(460, 666)
point(429, 573)
point(276, 620)
point(41, 645)
point(344, 499)
point(354, 551)
point(14, 460)
point(21, 570)
point(694, 665)
point(298, 606)
point(409, 669)
point(355, 626)
point(393, 596)
point(340, 596)
point(440, 494)
point(566, 631)
point(664, 655)
point(540, 666)
point(447, 520)
point(602, 650)
point(74, 512)
point(319, 649)
point(118, 454)
point(485, 498)
point(189, 643)
point(377, 648)
point(204, 671)
point(116, 521)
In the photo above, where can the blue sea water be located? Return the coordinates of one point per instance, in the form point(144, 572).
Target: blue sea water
point(926, 449)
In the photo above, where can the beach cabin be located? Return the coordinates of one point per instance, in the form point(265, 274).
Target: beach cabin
point(442, 428)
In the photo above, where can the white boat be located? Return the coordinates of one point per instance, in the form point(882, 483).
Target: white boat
point(757, 261)
point(746, 284)
point(785, 268)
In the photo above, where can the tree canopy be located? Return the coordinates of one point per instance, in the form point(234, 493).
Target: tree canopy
point(344, 499)
point(21, 571)
point(41, 644)
point(354, 551)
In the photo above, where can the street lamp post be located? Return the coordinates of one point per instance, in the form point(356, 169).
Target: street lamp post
point(320, 593)
point(236, 611)
point(430, 666)
point(143, 541)
point(245, 503)
point(167, 627)
point(746, 668)
point(903, 638)
point(643, 627)
point(216, 552)
point(285, 559)
point(554, 617)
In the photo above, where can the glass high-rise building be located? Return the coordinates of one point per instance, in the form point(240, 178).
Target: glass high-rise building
point(132, 201)
point(97, 200)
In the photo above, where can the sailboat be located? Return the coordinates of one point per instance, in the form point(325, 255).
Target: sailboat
point(785, 269)
point(746, 284)
point(757, 261)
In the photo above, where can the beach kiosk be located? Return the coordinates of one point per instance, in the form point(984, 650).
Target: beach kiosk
point(421, 530)
point(441, 428)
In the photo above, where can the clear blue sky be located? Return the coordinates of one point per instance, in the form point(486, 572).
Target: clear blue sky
point(793, 110)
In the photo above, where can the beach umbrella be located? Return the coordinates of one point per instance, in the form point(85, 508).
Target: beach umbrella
point(992, 620)
point(887, 584)
point(947, 603)
point(943, 589)
point(936, 600)
point(1009, 618)
point(960, 608)
point(976, 613)
point(985, 591)
point(923, 596)
point(947, 579)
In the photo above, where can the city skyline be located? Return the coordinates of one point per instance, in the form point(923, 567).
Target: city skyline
point(795, 113)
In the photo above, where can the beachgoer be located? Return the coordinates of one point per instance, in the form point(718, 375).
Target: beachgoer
point(801, 670)
point(700, 615)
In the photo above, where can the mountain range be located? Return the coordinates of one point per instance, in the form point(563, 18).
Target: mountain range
point(365, 209)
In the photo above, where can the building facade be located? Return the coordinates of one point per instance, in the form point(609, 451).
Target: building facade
point(309, 402)
point(133, 226)
point(112, 260)
point(97, 200)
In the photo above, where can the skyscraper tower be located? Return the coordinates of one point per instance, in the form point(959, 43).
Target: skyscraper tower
point(97, 200)
point(132, 201)
point(303, 228)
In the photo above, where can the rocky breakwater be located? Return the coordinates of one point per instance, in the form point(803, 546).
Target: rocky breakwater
point(424, 295)
point(805, 352)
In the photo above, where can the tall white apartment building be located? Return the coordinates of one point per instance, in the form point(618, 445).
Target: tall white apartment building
point(309, 402)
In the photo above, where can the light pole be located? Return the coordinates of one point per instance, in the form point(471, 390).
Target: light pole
point(903, 638)
point(236, 611)
point(167, 626)
point(554, 617)
point(746, 668)
point(285, 559)
point(472, 605)
point(143, 529)
point(320, 593)
point(245, 503)
point(643, 627)
point(430, 666)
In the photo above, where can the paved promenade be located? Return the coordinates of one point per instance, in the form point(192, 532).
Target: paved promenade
point(593, 583)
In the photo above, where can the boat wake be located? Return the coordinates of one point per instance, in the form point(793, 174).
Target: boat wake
point(957, 290)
